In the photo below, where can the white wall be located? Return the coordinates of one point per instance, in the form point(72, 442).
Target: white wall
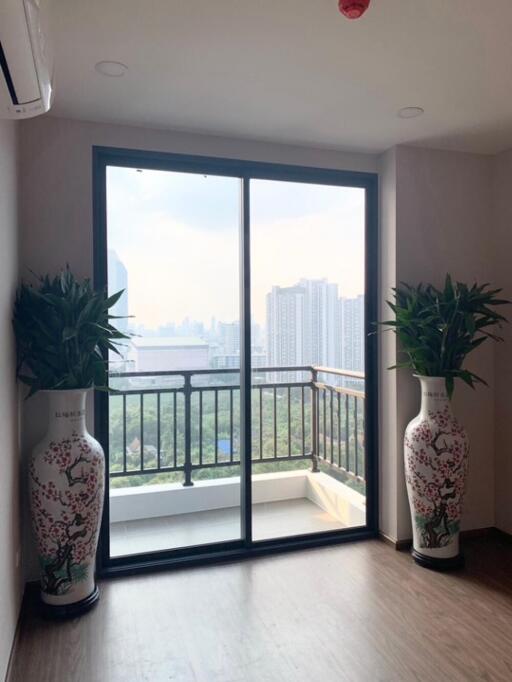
point(501, 236)
point(10, 571)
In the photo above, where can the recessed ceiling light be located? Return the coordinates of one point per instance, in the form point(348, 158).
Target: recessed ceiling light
point(112, 69)
point(410, 112)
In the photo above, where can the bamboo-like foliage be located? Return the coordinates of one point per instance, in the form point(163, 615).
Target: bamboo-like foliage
point(438, 328)
point(63, 334)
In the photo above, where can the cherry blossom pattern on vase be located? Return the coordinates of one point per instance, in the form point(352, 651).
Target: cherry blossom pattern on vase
point(437, 451)
point(66, 506)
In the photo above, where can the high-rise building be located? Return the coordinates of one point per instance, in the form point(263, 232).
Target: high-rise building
point(351, 330)
point(302, 324)
point(308, 324)
point(320, 309)
point(229, 337)
point(285, 326)
point(117, 280)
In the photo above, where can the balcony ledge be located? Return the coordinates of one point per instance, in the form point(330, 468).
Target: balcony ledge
point(171, 499)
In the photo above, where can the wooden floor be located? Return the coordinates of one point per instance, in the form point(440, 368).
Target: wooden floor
point(355, 612)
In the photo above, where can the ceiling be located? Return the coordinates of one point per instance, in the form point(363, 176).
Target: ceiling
point(293, 71)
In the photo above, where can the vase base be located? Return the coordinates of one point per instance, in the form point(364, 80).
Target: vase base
point(437, 564)
point(63, 611)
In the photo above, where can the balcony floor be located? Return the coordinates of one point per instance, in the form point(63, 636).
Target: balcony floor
point(270, 520)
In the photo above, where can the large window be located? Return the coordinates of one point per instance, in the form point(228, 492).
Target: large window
point(242, 412)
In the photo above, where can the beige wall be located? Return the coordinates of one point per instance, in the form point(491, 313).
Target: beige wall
point(444, 216)
point(502, 247)
point(10, 570)
point(438, 205)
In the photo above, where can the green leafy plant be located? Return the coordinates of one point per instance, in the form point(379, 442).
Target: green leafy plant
point(63, 333)
point(438, 328)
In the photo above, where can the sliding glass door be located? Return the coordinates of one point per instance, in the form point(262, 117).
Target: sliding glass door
point(241, 417)
point(174, 419)
point(308, 321)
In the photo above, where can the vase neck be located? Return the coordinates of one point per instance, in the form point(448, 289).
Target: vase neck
point(66, 412)
point(434, 397)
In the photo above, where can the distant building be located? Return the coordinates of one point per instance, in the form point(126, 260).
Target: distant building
point(308, 324)
point(285, 326)
point(257, 335)
point(191, 328)
point(168, 329)
point(320, 309)
point(225, 361)
point(302, 324)
point(351, 329)
point(232, 361)
point(117, 280)
point(258, 358)
point(228, 334)
point(117, 275)
point(160, 354)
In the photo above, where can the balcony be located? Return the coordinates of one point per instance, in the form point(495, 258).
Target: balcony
point(175, 455)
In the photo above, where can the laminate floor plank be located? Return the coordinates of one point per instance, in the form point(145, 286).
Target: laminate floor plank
point(357, 612)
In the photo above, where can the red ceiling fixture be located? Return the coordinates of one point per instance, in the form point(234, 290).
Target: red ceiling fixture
point(353, 9)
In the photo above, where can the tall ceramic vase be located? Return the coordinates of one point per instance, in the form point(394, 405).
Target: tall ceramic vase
point(66, 481)
point(436, 460)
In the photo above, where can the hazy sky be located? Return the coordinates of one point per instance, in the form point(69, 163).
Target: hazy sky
point(178, 236)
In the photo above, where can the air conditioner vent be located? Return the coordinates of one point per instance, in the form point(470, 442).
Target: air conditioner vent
point(25, 70)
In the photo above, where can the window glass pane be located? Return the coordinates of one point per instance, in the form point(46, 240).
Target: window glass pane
point(307, 278)
point(173, 246)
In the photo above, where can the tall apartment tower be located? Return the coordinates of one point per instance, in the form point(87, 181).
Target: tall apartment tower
point(117, 280)
point(229, 337)
point(351, 333)
point(285, 326)
point(320, 322)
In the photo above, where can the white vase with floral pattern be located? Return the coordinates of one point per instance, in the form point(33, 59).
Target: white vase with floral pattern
point(66, 481)
point(436, 461)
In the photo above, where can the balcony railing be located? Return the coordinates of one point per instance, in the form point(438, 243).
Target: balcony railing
point(188, 421)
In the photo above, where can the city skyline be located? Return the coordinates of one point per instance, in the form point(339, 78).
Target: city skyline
point(306, 324)
point(340, 319)
point(118, 279)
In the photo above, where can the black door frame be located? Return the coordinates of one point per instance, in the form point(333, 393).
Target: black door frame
point(102, 157)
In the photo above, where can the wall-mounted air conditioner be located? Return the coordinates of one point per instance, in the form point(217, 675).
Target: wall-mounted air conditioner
point(25, 64)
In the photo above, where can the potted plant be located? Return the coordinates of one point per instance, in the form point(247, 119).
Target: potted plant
point(64, 334)
point(437, 329)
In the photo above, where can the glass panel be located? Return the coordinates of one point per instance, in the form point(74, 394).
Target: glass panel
point(307, 278)
point(173, 242)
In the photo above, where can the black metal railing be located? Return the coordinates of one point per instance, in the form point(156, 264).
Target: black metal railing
point(186, 421)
